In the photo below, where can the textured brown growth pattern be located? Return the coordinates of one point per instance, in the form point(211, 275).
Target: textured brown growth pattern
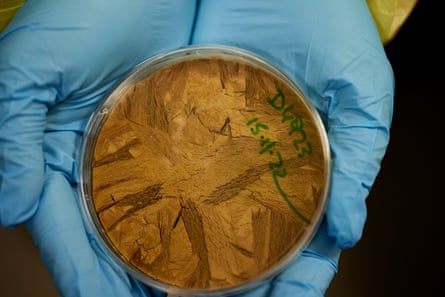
point(180, 185)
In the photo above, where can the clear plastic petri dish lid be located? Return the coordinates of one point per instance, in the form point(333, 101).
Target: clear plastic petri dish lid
point(205, 172)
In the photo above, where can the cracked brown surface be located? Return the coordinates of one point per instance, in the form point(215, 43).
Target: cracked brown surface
point(180, 185)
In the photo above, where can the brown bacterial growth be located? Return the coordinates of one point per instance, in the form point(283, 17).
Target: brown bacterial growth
point(207, 173)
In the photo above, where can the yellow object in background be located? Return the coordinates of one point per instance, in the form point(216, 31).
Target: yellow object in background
point(8, 8)
point(389, 16)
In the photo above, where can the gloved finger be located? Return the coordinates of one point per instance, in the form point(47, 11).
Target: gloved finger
point(333, 51)
point(309, 275)
point(62, 162)
point(57, 59)
point(65, 249)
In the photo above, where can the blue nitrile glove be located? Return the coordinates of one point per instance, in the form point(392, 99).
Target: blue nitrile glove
point(57, 59)
point(332, 49)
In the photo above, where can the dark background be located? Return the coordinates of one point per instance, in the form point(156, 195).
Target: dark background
point(399, 253)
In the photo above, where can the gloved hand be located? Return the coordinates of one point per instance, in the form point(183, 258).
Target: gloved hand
point(57, 59)
point(332, 49)
point(73, 52)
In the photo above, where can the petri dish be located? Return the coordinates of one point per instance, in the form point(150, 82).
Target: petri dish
point(205, 172)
